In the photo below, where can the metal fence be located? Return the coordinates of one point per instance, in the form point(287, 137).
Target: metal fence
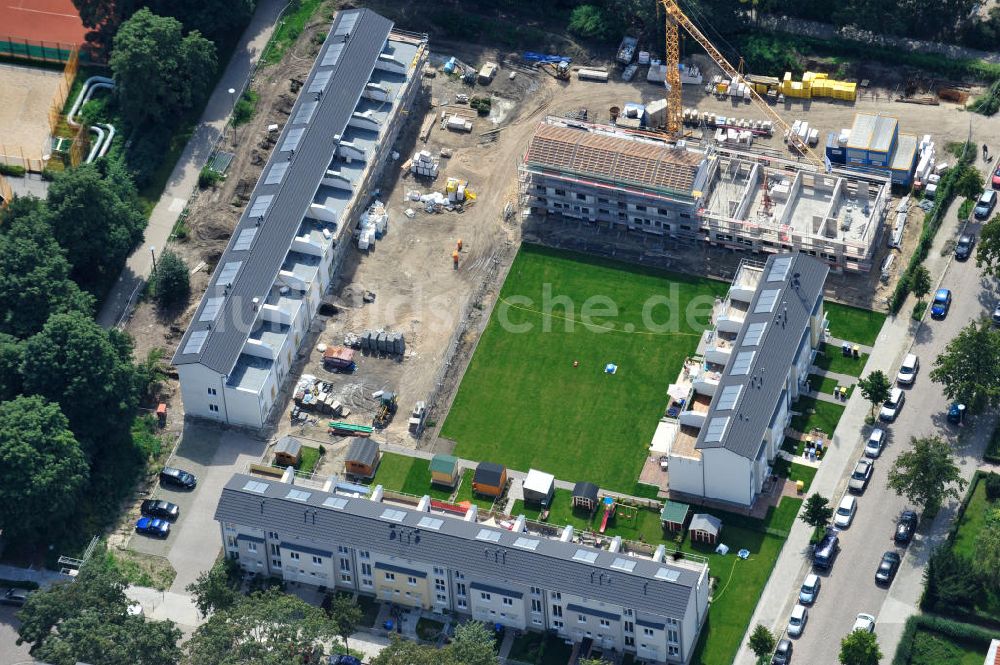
point(36, 51)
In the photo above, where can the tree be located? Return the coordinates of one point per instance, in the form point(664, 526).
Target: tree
point(346, 616)
point(967, 179)
point(96, 219)
point(216, 588)
point(920, 282)
point(160, 75)
point(988, 249)
point(151, 372)
point(103, 18)
point(88, 371)
point(987, 561)
point(817, 511)
point(87, 620)
point(593, 661)
point(261, 629)
point(762, 641)
point(213, 18)
point(11, 359)
point(474, 644)
point(860, 648)
point(875, 388)
point(405, 652)
point(173, 285)
point(969, 367)
point(949, 582)
point(926, 474)
point(590, 21)
point(35, 272)
point(42, 469)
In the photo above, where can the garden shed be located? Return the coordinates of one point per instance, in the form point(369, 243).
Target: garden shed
point(288, 452)
point(705, 528)
point(444, 470)
point(362, 458)
point(585, 496)
point(673, 515)
point(538, 487)
point(489, 479)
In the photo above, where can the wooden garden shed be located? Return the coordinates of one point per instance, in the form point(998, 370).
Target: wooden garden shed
point(444, 470)
point(362, 459)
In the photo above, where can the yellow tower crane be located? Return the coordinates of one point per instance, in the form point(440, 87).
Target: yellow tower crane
point(675, 18)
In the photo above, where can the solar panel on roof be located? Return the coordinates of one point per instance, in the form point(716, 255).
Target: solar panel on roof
point(332, 55)
point(742, 363)
point(305, 112)
point(716, 429)
point(255, 486)
point(754, 333)
point(195, 341)
point(393, 515)
point(244, 239)
point(298, 495)
point(228, 272)
point(276, 173)
point(320, 80)
point(729, 397)
point(212, 307)
point(488, 535)
point(526, 543)
point(260, 205)
point(766, 300)
point(779, 269)
point(292, 139)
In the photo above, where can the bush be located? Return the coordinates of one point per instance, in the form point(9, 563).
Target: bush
point(145, 153)
point(959, 632)
point(208, 177)
point(245, 108)
point(590, 21)
point(950, 583)
point(989, 102)
point(992, 485)
point(919, 309)
point(173, 284)
point(992, 454)
point(12, 170)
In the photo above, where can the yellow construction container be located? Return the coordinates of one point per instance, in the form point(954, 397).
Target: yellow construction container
point(817, 84)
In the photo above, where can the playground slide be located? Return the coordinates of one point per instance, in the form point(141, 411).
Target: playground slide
point(609, 511)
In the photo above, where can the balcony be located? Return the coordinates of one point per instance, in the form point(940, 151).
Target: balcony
point(730, 315)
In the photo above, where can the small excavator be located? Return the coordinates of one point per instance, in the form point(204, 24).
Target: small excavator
point(558, 70)
point(386, 410)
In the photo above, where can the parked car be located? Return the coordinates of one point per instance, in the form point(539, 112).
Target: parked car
point(892, 406)
point(178, 478)
point(153, 526)
point(860, 476)
point(782, 654)
point(941, 304)
point(162, 509)
point(875, 443)
point(995, 180)
point(826, 551)
point(844, 515)
point(996, 315)
point(810, 589)
point(956, 413)
point(14, 597)
point(908, 370)
point(797, 622)
point(963, 248)
point(905, 527)
point(984, 206)
point(887, 568)
point(343, 659)
point(865, 622)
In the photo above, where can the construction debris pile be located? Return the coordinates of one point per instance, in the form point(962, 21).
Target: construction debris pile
point(373, 225)
point(312, 394)
point(455, 196)
point(814, 84)
point(377, 341)
point(423, 164)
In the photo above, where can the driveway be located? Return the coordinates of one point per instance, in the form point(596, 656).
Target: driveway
point(10, 653)
point(213, 455)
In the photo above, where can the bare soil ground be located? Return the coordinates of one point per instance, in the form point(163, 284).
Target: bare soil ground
point(24, 114)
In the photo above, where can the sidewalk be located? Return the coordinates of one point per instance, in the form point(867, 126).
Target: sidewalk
point(41, 576)
point(184, 177)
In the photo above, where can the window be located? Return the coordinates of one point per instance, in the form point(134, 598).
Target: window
point(647, 631)
point(442, 598)
point(485, 596)
point(581, 197)
point(438, 571)
point(630, 641)
point(557, 610)
point(508, 601)
point(629, 626)
point(673, 636)
point(231, 541)
point(605, 623)
point(673, 650)
point(212, 391)
point(581, 618)
point(364, 554)
point(343, 550)
point(345, 565)
point(275, 550)
point(317, 561)
point(276, 563)
point(641, 208)
point(344, 577)
point(294, 556)
point(439, 585)
point(460, 589)
point(366, 569)
point(536, 606)
point(214, 408)
point(251, 547)
point(536, 591)
point(462, 604)
point(412, 581)
point(560, 192)
point(390, 577)
point(536, 621)
point(557, 595)
point(600, 200)
point(557, 624)
point(366, 583)
point(459, 576)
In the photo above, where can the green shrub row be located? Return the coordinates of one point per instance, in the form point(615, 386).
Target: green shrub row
point(18, 584)
point(11, 170)
point(962, 632)
point(992, 454)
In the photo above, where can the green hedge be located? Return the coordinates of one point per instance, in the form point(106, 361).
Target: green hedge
point(11, 170)
point(992, 454)
point(18, 584)
point(963, 632)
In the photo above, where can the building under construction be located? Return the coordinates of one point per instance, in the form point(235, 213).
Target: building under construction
point(688, 192)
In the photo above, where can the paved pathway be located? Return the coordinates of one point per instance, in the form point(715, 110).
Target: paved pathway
point(824, 397)
point(41, 576)
point(184, 177)
point(844, 379)
point(839, 343)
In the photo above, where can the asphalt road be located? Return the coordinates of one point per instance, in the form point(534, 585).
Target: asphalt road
point(849, 588)
point(10, 653)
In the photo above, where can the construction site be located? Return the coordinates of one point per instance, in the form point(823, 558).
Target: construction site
point(432, 272)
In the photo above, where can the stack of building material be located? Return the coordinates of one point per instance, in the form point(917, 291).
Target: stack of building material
point(314, 395)
point(380, 341)
point(423, 164)
point(458, 123)
point(814, 84)
point(373, 225)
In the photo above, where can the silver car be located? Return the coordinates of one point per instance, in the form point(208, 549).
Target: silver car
point(810, 589)
point(797, 622)
point(861, 475)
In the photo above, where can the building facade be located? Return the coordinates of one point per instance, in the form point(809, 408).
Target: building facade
point(293, 234)
point(432, 557)
point(729, 198)
point(752, 366)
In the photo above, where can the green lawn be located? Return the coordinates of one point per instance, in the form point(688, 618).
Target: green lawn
point(410, 475)
point(465, 492)
point(795, 471)
point(854, 324)
point(815, 413)
point(831, 359)
point(524, 404)
point(825, 384)
point(970, 523)
point(310, 458)
point(560, 511)
point(930, 648)
point(289, 28)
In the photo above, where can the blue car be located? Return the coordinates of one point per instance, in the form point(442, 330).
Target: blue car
point(941, 304)
point(153, 527)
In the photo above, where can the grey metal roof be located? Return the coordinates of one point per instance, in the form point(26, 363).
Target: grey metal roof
point(362, 451)
point(739, 424)
point(221, 337)
point(488, 473)
point(551, 565)
point(705, 522)
point(585, 490)
point(289, 445)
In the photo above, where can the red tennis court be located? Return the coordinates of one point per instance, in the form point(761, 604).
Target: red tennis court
point(42, 21)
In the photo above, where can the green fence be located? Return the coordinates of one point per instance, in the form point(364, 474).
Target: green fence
point(36, 51)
